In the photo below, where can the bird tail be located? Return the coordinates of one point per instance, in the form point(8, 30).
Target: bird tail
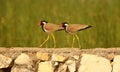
point(89, 26)
point(60, 28)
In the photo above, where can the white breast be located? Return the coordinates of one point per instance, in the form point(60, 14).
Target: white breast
point(44, 28)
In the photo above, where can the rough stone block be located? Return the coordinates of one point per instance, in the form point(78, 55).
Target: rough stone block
point(71, 65)
point(58, 58)
point(4, 61)
point(116, 64)
point(45, 67)
point(23, 59)
point(93, 63)
point(42, 56)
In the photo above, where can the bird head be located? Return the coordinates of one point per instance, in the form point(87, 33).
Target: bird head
point(43, 22)
point(64, 24)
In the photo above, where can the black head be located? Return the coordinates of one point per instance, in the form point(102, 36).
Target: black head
point(43, 22)
point(64, 24)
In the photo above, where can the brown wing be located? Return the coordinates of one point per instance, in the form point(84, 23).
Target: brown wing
point(53, 27)
point(76, 27)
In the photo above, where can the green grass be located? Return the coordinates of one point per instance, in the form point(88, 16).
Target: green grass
point(19, 22)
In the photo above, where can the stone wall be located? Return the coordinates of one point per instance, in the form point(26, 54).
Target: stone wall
point(16, 59)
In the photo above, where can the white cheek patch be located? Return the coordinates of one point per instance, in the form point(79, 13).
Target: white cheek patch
point(66, 24)
point(44, 22)
point(44, 28)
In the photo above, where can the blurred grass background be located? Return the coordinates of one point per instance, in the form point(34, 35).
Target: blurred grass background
point(19, 22)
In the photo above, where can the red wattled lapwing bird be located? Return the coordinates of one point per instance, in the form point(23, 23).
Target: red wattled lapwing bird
point(50, 28)
point(73, 28)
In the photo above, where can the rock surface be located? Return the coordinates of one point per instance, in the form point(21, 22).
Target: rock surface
point(45, 67)
point(17, 69)
point(23, 59)
point(71, 65)
point(43, 56)
point(59, 58)
point(93, 63)
point(23, 63)
point(4, 61)
point(62, 68)
point(76, 57)
point(116, 64)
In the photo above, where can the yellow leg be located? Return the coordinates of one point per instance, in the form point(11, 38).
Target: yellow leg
point(45, 40)
point(54, 40)
point(78, 41)
point(73, 41)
